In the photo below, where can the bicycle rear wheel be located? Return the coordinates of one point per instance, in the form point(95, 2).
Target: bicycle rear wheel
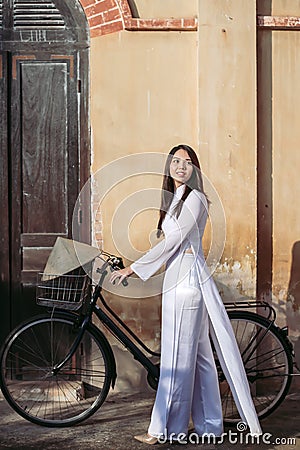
point(75, 392)
point(268, 363)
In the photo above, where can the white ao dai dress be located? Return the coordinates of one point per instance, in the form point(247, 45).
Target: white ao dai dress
point(191, 310)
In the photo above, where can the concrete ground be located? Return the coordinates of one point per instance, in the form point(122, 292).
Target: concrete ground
point(122, 416)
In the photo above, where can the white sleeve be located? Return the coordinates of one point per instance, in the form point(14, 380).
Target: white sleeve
point(194, 206)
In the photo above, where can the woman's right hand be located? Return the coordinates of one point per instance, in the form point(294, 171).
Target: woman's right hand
point(121, 274)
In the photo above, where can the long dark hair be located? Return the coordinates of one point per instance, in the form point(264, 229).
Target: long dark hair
point(168, 186)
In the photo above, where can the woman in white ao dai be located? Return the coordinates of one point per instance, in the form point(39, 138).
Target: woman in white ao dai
point(191, 310)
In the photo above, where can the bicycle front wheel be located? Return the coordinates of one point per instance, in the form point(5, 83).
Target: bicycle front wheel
point(268, 364)
point(54, 400)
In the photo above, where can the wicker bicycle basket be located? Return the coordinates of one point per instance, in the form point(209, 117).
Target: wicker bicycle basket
point(63, 291)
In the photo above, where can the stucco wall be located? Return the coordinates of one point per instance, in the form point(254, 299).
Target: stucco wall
point(167, 8)
point(144, 99)
point(278, 127)
point(227, 130)
point(153, 90)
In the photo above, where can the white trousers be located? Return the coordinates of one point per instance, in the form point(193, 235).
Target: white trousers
point(188, 384)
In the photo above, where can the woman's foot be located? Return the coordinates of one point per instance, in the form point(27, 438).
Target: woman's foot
point(146, 439)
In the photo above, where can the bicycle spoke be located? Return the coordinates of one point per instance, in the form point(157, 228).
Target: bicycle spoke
point(63, 398)
point(266, 357)
point(258, 364)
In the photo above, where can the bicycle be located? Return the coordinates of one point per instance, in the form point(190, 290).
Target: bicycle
point(57, 369)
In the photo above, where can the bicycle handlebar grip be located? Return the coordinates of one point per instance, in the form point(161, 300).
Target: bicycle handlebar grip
point(118, 264)
point(121, 265)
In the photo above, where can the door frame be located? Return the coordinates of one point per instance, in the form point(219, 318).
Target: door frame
point(74, 39)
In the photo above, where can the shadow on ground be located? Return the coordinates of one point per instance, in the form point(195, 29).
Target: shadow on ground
point(124, 415)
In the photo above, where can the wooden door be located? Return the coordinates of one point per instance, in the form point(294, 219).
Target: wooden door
point(44, 141)
point(4, 202)
point(44, 164)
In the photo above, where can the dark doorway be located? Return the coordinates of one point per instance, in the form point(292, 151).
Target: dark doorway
point(45, 150)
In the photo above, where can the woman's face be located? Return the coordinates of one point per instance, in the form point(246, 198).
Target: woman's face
point(181, 167)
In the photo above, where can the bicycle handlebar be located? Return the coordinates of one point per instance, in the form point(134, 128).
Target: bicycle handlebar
point(115, 263)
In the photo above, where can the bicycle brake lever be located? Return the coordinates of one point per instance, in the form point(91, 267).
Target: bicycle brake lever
point(125, 282)
point(103, 268)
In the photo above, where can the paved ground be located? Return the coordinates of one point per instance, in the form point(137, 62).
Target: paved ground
point(122, 416)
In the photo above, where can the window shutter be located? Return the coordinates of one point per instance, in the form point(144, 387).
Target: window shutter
point(1, 23)
point(33, 15)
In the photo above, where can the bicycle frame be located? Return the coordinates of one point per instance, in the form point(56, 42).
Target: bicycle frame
point(114, 329)
point(126, 341)
point(132, 342)
point(75, 371)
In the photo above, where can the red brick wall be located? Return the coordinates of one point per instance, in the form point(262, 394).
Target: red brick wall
point(110, 16)
point(104, 16)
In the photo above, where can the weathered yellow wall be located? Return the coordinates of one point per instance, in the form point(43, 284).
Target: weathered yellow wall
point(285, 7)
point(167, 8)
point(280, 70)
point(144, 99)
point(153, 90)
point(142, 90)
point(227, 129)
point(286, 188)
